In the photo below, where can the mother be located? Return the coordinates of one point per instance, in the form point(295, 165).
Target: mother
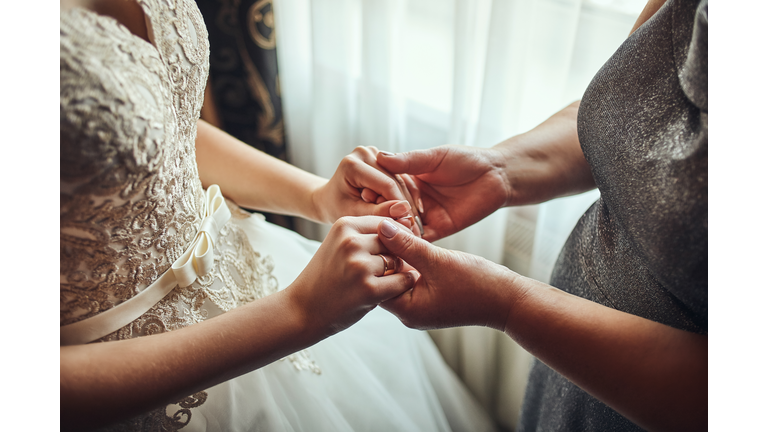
point(620, 336)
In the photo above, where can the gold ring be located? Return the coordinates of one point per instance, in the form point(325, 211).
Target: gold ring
point(386, 265)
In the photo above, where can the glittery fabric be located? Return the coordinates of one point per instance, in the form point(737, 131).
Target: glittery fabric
point(642, 247)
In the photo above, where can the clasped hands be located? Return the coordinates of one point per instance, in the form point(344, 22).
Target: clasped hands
point(449, 188)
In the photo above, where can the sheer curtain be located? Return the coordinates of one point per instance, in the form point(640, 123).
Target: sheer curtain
point(409, 74)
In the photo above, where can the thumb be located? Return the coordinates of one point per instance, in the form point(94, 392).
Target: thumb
point(412, 162)
point(405, 244)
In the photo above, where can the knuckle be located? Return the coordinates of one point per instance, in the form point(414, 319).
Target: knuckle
point(349, 244)
point(342, 229)
point(343, 222)
point(367, 153)
point(348, 161)
point(409, 241)
point(337, 228)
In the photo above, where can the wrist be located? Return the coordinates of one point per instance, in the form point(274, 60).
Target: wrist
point(520, 291)
point(504, 155)
point(505, 285)
point(310, 326)
point(318, 204)
point(529, 170)
point(489, 290)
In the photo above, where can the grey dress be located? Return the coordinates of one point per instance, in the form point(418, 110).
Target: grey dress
point(642, 247)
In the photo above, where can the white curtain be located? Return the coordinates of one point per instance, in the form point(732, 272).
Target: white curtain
point(409, 74)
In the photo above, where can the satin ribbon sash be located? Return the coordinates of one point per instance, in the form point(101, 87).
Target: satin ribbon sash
point(196, 261)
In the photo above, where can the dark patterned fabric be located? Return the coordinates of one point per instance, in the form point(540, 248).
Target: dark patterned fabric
point(244, 76)
point(642, 247)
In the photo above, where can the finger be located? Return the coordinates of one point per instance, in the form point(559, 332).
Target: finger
point(368, 195)
point(416, 230)
point(398, 304)
point(359, 234)
point(368, 175)
point(394, 285)
point(406, 222)
point(399, 210)
point(370, 244)
point(405, 245)
point(410, 223)
point(405, 191)
point(433, 229)
point(410, 183)
point(412, 162)
point(380, 199)
point(366, 230)
point(364, 224)
point(385, 209)
point(416, 225)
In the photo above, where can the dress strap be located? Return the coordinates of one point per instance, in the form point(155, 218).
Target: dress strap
point(196, 261)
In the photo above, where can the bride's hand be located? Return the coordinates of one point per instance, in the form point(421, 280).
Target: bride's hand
point(346, 277)
point(356, 178)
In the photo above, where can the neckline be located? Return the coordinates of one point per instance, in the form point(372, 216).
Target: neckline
point(98, 16)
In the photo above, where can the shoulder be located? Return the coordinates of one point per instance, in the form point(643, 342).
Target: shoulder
point(691, 52)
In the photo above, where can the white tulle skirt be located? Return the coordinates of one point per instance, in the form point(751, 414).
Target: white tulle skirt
point(378, 375)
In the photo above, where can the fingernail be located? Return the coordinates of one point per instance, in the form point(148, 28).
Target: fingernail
point(421, 205)
point(400, 209)
point(386, 153)
point(363, 198)
point(388, 229)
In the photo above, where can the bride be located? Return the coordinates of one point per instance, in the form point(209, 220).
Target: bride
point(202, 316)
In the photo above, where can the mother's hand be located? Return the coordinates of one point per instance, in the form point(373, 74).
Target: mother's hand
point(349, 275)
point(653, 374)
point(454, 288)
point(454, 186)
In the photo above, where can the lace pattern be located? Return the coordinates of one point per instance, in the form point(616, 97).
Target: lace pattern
point(171, 418)
point(131, 198)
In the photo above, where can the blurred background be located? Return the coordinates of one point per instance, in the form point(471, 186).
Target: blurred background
point(309, 80)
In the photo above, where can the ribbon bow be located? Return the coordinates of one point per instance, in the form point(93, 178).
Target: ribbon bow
point(197, 260)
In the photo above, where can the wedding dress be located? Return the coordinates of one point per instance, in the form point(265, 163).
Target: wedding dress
point(132, 203)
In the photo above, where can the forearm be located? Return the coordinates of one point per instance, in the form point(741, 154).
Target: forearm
point(546, 162)
point(651, 373)
point(252, 178)
point(102, 383)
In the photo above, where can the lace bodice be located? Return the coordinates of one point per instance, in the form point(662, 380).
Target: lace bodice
point(131, 197)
